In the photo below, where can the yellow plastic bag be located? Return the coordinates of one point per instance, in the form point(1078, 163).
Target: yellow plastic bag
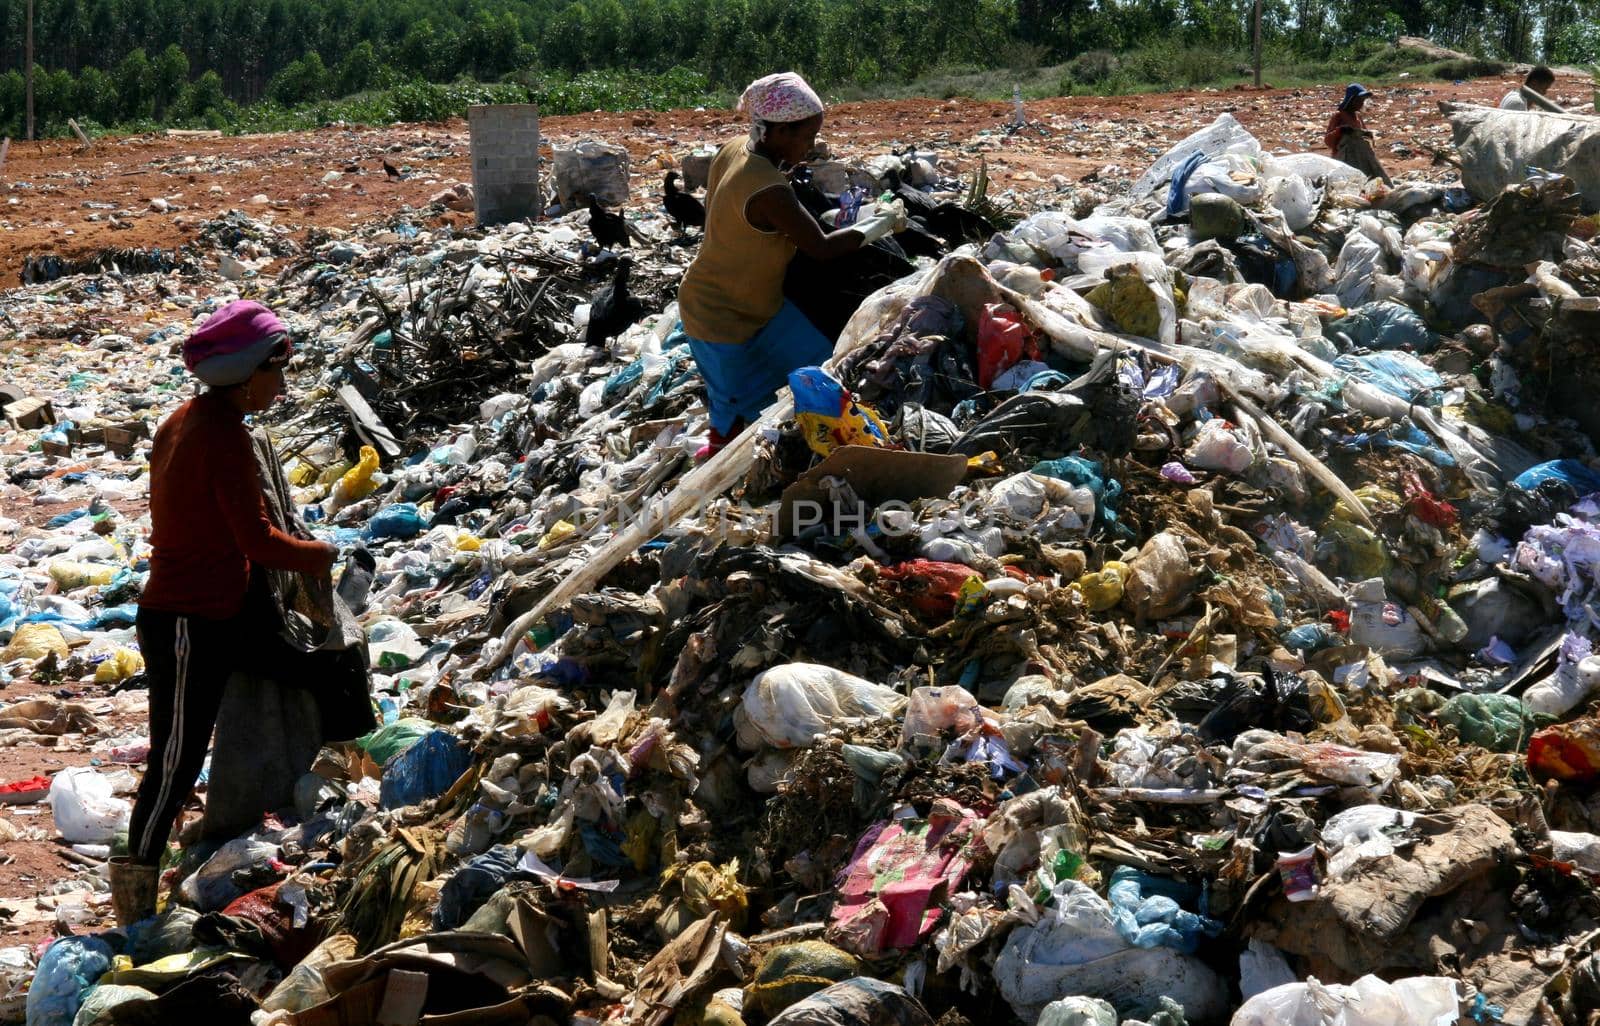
point(35, 641)
point(69, 575)
point(468, 543)
point(357, 483)
point(558, 533)
point(829, 416)
point(122, 664)
point(1102, 589)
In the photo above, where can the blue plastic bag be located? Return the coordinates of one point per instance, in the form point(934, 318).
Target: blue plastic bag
point(1147, 912)
point(423, 771)
point(1583, 479)
point(398, 521)
point(1384, 325)
point(1399, 374)
point(67, 972)
point(1087, 473)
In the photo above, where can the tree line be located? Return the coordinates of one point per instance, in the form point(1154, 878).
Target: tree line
point(126, 61)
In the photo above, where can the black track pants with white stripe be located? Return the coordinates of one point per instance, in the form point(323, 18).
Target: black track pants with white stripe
point(187, 660)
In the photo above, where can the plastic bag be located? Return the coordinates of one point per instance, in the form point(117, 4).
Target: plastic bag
point(34, 641)
point(1003, 340)
point(423, 771)
point(69, 574)
point(119, 666)
point(84, 809)
point(98, 1005)
point(1231, 175)
point(861, 1001)
point(391, 739)
point(304, 986)
point(212, 887)
point(1385, 627)
point(591, 168)
point(790, 973)
point(1385, 325)
point(1262, 967)
point(828, 414)
point(1566, 751)
point(1221, 136)
point(1138, 293)
point(1218, 446)
point(1299, 201)
point(1078, 1011)
point(393, 645)
point(788, 706)
point(1361, 833)
point(1496, 722)
point(1075, 950)
point(67, 972)
point(401, 520)
point(934, 710)
point(1160, 579)
point(357, 483)
point(1418, 1001)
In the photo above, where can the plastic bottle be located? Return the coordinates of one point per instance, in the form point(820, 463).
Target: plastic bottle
point(458, 453)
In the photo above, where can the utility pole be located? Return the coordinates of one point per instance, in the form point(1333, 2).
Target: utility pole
point(1258, 44)
point(28, 60)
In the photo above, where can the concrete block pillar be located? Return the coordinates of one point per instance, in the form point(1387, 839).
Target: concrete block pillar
point(505, 161)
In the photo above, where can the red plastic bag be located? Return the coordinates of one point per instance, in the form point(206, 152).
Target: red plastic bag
point(928, 587)
point(1003, 340)
point(1566, 751)
point(1425, 506)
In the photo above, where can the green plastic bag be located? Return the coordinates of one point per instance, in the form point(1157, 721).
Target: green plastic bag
point(389, 741)
point(1497, 722)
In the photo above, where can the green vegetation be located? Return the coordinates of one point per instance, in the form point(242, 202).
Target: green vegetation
point(253, 64)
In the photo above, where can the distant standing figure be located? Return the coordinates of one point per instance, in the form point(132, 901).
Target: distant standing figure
point(1349, 139)
point(1540, 79)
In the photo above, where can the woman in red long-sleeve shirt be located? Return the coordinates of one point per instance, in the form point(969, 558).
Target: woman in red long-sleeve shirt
point(209, 528)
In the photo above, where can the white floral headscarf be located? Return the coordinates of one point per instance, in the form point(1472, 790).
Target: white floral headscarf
point(778, 99)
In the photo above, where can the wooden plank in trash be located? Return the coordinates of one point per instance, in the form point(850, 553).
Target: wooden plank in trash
point(368, 426)
point(30, 412)
point(193, 133)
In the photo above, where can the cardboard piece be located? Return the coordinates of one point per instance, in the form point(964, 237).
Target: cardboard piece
point(876, 476)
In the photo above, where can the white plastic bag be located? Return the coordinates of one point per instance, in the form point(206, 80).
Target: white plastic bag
point(1418, 1001)
point(1385, 627)
point(1221, 136)
point(1358, 834)
point(1075, 950)
point(1296, 197)
point(84, 808)
point(1078, 1011)
point(788, 706)
point(1261, 968)
point(1229, 175)
point(1218, 447)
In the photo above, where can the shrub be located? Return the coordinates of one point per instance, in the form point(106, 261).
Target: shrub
point(1093, 67)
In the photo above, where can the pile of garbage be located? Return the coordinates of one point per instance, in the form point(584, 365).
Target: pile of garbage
point(1182, 613)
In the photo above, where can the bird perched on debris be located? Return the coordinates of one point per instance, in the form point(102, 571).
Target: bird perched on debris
point(390, 170)
point(681, 207)
point(610, 230)
point(951, 222)
point(612, 310)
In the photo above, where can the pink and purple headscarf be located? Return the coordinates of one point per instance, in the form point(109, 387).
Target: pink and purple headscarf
point(234, 341)
point(778, 99)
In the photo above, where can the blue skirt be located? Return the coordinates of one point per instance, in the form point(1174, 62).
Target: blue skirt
point(743, 377)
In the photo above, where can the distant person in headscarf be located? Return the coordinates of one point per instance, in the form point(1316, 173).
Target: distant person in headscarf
point(1348, 138)
point(1540, 79)
point(744, 335)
